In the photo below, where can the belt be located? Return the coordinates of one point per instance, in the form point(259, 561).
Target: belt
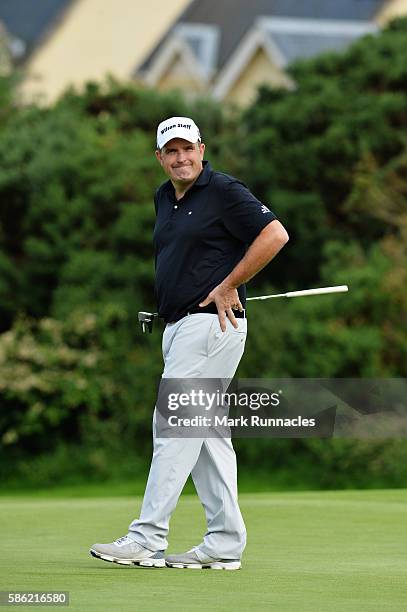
point(211, 309)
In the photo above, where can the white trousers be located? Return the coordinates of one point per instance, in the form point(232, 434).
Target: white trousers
point(195, 347)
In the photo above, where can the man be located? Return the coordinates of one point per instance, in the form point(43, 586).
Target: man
point(211, 236)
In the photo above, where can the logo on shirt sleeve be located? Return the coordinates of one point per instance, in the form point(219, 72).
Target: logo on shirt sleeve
point(264, 209)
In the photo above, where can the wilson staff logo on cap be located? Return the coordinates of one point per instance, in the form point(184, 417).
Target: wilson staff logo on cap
point(177, 127)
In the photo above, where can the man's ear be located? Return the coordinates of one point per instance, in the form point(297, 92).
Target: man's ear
point(202, 149)
point(159, 156)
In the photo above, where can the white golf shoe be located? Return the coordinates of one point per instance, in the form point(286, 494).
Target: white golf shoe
point(190, 560)
point(127, 552)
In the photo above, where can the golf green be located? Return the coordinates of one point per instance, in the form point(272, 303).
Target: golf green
point(322, 551)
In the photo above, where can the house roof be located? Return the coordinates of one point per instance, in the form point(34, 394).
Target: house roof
point(304, 38)
point(286, 39)
point(295, 46)
point(231, 19)
point(28, 21)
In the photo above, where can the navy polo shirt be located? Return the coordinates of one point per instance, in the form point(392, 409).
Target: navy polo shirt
point(199, 239)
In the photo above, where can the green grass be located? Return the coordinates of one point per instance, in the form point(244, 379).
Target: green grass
point(323, 551)
point(248, 483)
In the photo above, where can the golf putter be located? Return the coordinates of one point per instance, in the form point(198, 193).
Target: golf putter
point(146, 320)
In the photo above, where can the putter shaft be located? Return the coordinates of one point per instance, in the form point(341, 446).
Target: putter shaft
point(304, 292)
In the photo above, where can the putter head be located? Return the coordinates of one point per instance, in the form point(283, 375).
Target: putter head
point(146, 320)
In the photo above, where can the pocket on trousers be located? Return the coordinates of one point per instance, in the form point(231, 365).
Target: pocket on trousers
point(213, 335)
point(216, 337)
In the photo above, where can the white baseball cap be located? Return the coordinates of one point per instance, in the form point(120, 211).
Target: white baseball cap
point(177, 127)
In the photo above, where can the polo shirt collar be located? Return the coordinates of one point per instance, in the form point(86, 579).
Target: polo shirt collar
point(203, 178)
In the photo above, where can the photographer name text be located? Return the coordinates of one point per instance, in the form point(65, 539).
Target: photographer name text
point(241, 421)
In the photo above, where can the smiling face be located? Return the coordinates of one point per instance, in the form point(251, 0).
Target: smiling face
point(181, 161)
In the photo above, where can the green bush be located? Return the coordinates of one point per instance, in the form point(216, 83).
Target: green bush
point(60, 381)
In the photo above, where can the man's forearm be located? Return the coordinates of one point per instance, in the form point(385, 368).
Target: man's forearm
point(266, 246)
point(262, 250)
